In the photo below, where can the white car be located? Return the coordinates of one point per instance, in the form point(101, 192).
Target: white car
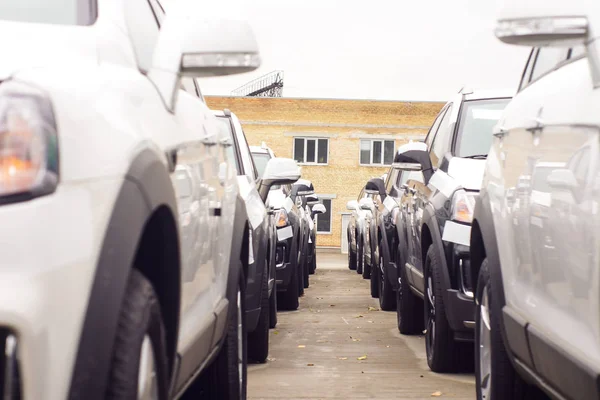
point(122, 240)
point(535, 243)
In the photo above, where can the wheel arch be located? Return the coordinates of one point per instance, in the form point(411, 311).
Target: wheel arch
point(144, 210)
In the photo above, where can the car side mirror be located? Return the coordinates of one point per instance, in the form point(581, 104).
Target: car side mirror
point(303, 187)
point(196, 43)
point(312, 199)
point(278, 171)
point(367, 204)
point(562, 179)
point(536, 26)
point(318, 209)
point(352, 205)
point(414, 156)
point(376, 186)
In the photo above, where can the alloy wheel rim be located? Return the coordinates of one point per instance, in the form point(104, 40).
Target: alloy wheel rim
point(240, 335)
point(430, 334)
point(485, 347)
point(147, 382)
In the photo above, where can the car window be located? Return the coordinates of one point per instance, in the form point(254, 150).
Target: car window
point(59, 12)
point(434, 127)
point(261, 160)
point(441, 142)
point(143, 28)
point(582, 166)
point(391, 179)
point(231, 156)
point(546, 59)
point(528, 67)
point(187, 84)
point(475, 126)
point(577, 51)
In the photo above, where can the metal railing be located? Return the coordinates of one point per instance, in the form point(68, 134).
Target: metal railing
point(269, 85)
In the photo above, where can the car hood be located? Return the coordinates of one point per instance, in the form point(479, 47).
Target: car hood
point(467, 172)
point(30, 45)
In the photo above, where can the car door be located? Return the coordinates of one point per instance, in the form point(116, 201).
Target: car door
point(419, 198)
point(564, 289)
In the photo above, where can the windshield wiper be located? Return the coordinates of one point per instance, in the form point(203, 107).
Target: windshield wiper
point(477, 156)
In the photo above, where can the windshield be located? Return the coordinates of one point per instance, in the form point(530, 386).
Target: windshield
point(477, 118)
point(261, 160)
point(61, 12)
point(225, 127)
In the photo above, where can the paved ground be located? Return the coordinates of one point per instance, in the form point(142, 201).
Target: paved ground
point(315, 351)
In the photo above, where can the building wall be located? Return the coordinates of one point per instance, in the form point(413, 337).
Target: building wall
point(276, 121)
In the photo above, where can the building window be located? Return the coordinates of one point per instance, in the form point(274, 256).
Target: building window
point(311, 151)
point(377, 152)
point(324, 220)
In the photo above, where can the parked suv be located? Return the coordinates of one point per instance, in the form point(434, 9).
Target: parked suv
point(356, 229)
point(313, 208)
point(300, 190)
point(261, 296)
point(117, 178)
point(536, 226)
point(437, 223)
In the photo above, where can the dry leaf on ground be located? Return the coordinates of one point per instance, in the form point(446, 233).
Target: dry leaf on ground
point(310, 365)
point(358, 316)
point(301, 346)
point(342, 358)
point(373, 309)
point(275, 332)
point(355, 340)
point(436, 394)
point(362, 358)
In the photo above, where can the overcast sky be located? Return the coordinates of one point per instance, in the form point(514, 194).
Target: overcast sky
point(380, 49)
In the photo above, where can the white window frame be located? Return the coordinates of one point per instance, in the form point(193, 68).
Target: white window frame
point(316, 139)
point(371, 164)
point(329, 197)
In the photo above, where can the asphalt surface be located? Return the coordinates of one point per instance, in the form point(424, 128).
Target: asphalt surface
point(338, 345)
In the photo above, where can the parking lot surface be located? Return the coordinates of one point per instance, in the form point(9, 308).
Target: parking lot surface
point(338, 345)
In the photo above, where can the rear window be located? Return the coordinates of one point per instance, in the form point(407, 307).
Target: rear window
point(260, 161)
point(59, 12)
point(477, 120)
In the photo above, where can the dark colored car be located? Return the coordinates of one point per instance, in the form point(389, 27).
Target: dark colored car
point(311, 201)
point(261, 308)
point(300, 190)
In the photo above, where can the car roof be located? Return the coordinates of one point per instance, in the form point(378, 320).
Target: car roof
point(489, 94)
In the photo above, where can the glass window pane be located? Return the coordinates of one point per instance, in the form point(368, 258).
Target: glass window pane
point(476, 124)
point(225, 127)
point(388, 152)
point(322, 151)
point(299, 150)
point(547, 59)
point(377, 152)
point(441, 143)
point(324, 220)
point(310, 150)
point(64, 12)
point(261, 160)
point(365, 152)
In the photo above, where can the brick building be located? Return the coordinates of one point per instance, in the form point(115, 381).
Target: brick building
point(339, 143)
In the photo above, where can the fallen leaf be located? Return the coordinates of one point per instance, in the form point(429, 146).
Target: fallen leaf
point(310, 365)
point(271, 359)
point(342, 358)
point(275, 332)
point(373, 309)
point(358, 316)
point(301, 346)
point(370, 322)
point(322, 341)
point(355, 340)
point(436, 394)
point(362, 358)
point(332, 305)
point(387, 347)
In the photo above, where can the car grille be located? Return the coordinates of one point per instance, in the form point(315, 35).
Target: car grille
point(10, 387)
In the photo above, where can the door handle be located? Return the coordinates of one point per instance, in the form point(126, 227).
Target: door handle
point(537, 125)
point(501, 132)
point(209, 140)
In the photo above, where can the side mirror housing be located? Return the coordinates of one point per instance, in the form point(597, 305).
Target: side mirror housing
point(562, 179)
point(278, 171)
point(312, 199)
point(196, 43)
point(303, 187)
point(367, 204)
point(318, 209)
point(376, 186)
point(559, 24)
point(352, 205)
point(414, 157)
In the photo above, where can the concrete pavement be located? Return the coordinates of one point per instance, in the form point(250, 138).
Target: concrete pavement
point(338, 345)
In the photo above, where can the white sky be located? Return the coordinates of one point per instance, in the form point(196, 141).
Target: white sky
point(380, 49)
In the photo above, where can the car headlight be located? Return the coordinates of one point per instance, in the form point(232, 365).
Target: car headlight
point(463, 205)
point(282, 218)
point(28, 143)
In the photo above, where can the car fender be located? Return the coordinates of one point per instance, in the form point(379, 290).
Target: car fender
point(146, 187)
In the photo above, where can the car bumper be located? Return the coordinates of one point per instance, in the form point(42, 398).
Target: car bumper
point(460, 310)
point(50, 248)
point(284, 266)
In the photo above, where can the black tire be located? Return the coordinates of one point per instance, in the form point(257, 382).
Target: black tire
point(306, 273)
point(387, 297)
point(140, 318)
point(506, 384)
point(258, 341)
point(273, 308)
point(360, 258)
point(289, 300)
point(366, 272)
point(443, 353)
point(408, 306)
point(313, 262)
point(221, 380)
point(374, 282)
point(351, 256)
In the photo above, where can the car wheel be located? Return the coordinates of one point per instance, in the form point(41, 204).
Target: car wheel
point(300, 270)
point(226, 377)
point(313, 262)
point(374, 282)
point(408, 306)
point(495, 376)
point(360, 257)
point(306, 273)
point(366, 272)
point(273, 308)
point(443, 353)
point(258, 340)
point(351, 256)
point(289, 300)
point(387, 297)
point(139, 363)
